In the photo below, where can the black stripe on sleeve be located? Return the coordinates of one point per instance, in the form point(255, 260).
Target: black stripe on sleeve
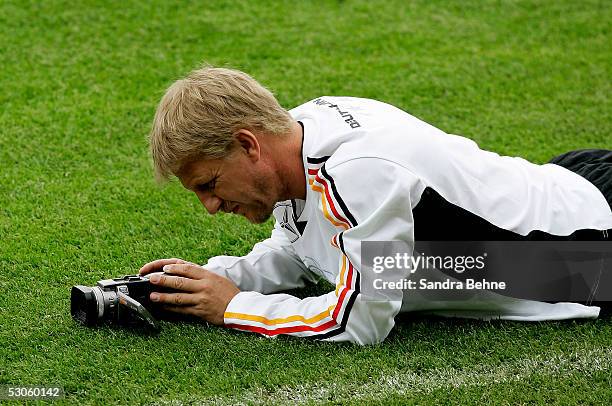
point(318, 160)
point(338, 198)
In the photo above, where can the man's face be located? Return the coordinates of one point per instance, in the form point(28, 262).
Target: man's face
point(234, 184)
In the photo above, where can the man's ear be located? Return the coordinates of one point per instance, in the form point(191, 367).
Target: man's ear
point(248, 144)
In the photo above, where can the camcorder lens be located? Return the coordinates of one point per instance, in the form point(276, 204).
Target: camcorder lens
point(84, 305)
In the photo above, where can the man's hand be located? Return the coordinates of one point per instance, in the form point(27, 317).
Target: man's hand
point(206, 295)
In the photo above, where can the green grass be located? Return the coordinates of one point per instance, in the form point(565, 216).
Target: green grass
point(79, 86)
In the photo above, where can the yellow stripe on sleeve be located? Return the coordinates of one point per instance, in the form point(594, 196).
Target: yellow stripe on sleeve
point(325, 212)
point(269, 322)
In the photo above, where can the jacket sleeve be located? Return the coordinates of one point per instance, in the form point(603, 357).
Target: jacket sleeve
point(365, 199)
point(271, 266)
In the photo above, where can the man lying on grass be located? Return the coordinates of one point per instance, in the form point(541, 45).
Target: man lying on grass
point(337, 171)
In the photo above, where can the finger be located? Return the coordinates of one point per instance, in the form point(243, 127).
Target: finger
point(176, 299)
point(175, 282)
point(187, 270)
point(159, 264)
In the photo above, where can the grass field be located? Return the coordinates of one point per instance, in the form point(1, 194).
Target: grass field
point(78, 203)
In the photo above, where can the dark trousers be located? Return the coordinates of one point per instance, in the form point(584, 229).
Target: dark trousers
point(595, 165)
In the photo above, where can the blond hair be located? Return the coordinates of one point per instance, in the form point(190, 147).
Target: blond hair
point(199, 115)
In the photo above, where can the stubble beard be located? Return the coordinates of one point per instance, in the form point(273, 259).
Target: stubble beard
point(262, 210)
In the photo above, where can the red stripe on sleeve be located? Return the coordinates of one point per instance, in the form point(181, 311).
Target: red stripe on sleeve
point(330, 201)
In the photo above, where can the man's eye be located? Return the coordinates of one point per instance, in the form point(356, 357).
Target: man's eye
point(204, 187)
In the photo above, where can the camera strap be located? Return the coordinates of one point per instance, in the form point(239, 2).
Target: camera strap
point(136, 309)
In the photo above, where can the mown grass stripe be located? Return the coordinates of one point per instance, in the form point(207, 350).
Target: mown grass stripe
point(584, 360)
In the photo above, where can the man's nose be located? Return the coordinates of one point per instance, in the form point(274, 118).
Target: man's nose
point(210, 201)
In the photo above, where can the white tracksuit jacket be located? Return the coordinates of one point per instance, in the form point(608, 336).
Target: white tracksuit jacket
point(368, 165)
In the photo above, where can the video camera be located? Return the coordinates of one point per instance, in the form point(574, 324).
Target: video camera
point(123, 301)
